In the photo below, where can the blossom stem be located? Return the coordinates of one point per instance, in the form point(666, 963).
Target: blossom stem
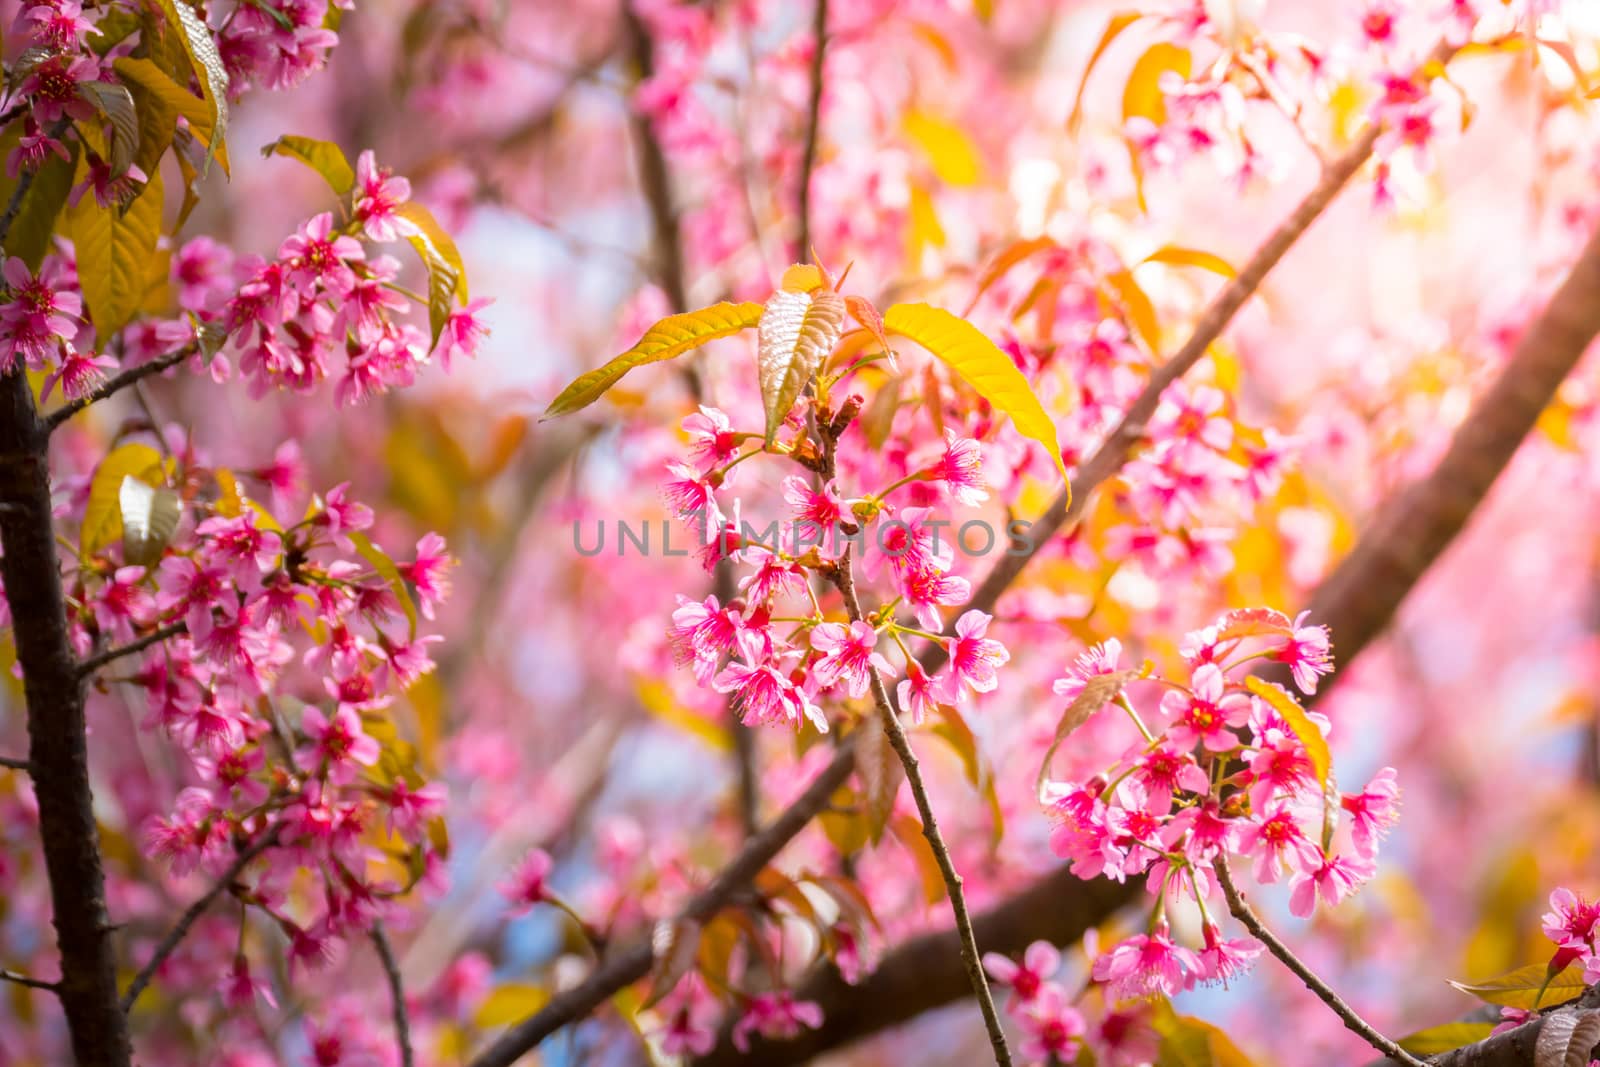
point(1127, 706)
point(1352, 1021)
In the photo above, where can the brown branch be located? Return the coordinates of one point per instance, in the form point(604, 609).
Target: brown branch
point(844, 580)
point(1352, 1021)
point(117, 384)
point(111, 655)
point(12, 763)
point(174, 937)
point(397, 994)
point(808, 157)
point(653, 173)
point(1419, 523)
point(633, 963)
point(31, 983)
point(58, 750)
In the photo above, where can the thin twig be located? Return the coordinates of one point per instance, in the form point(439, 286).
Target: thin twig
point(844, 581)
point(110, 655)
point(119, 383)
point(1345, 1012)
point(12, 763)
point(633, 963)
point(808, 158)
point(397, 993)
point(186, 921)
point(32, 983)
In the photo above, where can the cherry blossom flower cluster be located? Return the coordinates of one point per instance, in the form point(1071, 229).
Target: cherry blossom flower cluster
point(1219, 768)
point(280, 648)
point(292, 318)
point(1238, 76)
point(1573, 923)
point(777, 663)
point(1054, 1028)
point(276, 45)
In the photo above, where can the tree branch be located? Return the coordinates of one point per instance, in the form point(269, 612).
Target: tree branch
point(844, 580)
point(186, 921)
point(58, 750)
point(93, 663)
point(633, 963)
point(397, 994)
point(12, 763)
point(32, 983)
point(654, 176)
point(117, 384)
point(808, 157)
point(1352, 1021)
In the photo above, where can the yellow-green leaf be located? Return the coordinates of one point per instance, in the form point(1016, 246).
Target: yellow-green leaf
point(657, 699)
point(447, 276)
point(116, 104)
point(510, 1003)
point(1136, 307)
point(797, 331)
point(206, 61)
point(1450, 1036)
point(948, 149)
point(1176, 256)
point(667, 339)
point(160, 101)
point(907, 829)
point(30, 235)
point(1190, 1042)
point(1119, 22)
point(1292, 713)
point(1520, 988)
point(963, 347)
point(324, 157)
point(1142, 96)
point(388, 572)
point(114, 250)
point(102, 516)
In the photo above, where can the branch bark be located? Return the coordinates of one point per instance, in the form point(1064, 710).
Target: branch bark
point(654, 176)
point(58, 751)
point(808, 157)
point(967, 942)
point(397, 994)
point(1347, 1015)
point(174, 937)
